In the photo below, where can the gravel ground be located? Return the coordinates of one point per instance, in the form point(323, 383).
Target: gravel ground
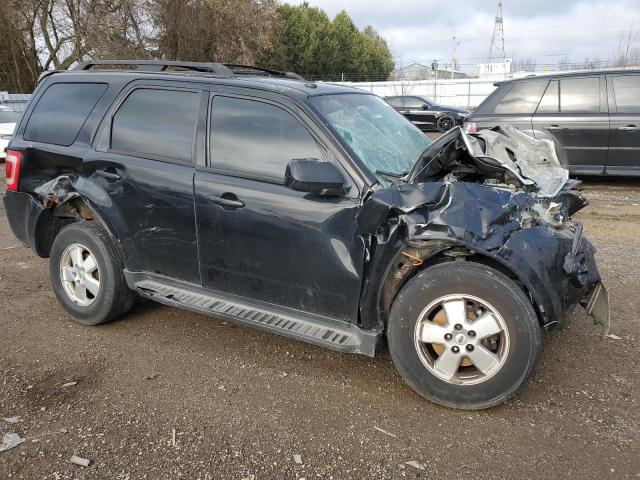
point(165, 393)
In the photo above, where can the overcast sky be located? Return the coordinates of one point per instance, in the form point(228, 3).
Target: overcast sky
point(421, 30)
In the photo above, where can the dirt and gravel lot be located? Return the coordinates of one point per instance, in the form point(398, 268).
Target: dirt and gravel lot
point(242, 402)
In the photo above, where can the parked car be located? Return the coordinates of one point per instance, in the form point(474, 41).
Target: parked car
point(593, 118)
point(427, 115)
point(8, 120)
point(310, 210)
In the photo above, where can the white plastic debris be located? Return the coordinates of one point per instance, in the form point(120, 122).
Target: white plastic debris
point(385, 432)
point(10, 440)
point(297, 458)
point(69, 384)
point(83, 462)
point(14, 419)
point(416, 464)
point(613, 336)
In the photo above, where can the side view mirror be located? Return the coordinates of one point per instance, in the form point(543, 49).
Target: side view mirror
point(426, 106)
point(314, 176)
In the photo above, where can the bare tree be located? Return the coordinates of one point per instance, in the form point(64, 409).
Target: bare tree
point(524, 64)
point(563, 64)
point(625, 52)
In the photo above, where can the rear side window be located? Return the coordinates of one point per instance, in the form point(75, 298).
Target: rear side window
point(413, 102)
point(626, 89)
point(523, 98)
point(257, 139)
point(394, 101)
point(61, 111)
point(580, 95)
point(156, 123)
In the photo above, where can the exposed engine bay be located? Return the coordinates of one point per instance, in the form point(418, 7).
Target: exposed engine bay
point(503, 158)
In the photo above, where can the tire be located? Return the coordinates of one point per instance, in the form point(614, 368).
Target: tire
point(445, 123)
point(112, 298)
point(516, 346)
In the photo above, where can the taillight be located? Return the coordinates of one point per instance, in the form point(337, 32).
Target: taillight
point(470, 127)
point(12, 169)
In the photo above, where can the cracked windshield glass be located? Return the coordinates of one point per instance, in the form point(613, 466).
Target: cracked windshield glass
point(383, 139)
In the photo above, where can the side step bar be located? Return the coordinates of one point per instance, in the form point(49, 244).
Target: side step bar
point(344, 337)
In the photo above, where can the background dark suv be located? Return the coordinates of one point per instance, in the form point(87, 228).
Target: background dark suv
point(593, 118)
point(427, 115)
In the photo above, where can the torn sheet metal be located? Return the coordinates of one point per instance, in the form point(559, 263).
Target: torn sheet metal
point(523, 155)
point(502, 156)
point(59, 190)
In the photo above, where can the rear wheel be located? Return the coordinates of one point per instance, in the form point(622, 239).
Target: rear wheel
point(445, 123)
point(87, 274)
point(463, 335)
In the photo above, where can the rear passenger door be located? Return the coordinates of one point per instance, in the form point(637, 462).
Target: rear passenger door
point(573, 113)
point(624, 121)
point(257, 238)
point(143, 167)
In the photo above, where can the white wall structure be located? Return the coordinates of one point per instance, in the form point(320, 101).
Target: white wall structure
point(467, 93)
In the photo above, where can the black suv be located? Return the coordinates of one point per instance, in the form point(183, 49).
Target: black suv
point(310, 210)
point(593, 118)
point(425, 114)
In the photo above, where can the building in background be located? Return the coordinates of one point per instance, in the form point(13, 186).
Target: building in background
point(419, 71)
point(498, 70)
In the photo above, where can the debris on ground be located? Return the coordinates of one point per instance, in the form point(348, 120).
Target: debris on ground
point(385, 432)
point(10, 440)
point(173, 437)
point(613, 336)
point(83, 462)
point(297, 458)
point(69, 384)
point(416, 464)
point(14, 419)
point(152, 376)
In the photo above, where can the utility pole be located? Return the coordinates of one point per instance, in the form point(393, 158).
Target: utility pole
point(453, 56)
point(496, 49)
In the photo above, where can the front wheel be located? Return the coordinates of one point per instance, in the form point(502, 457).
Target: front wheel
point(463, 335)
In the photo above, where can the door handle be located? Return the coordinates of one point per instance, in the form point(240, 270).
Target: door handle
point(629, 128)
point(225, 200)
point(554, 127)
point(108, 174)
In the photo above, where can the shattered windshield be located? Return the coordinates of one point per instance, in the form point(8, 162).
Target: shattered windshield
point(382, 138)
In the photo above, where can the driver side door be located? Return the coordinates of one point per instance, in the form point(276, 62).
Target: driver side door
point(260, 240)
point(419, 113)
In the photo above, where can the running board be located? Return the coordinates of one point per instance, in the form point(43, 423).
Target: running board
point(344, 337)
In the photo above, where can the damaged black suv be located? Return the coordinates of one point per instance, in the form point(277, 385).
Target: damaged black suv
point(306, 209)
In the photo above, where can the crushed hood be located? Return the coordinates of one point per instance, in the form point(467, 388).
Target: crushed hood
point(503, 156)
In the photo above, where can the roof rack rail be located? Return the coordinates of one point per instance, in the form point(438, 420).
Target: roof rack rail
point(239, 69)
point(160, 66)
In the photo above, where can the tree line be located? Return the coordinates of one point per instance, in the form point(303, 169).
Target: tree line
point(38, 35)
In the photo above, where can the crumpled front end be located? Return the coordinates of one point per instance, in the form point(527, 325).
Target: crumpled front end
point(455, 206)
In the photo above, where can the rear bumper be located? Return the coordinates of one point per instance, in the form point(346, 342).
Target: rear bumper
point(23, 213)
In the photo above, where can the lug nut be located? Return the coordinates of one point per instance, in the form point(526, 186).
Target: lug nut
point(469, 348)
point(448, 336)
point(472, 333)
point(455, 349)
point(458, 326)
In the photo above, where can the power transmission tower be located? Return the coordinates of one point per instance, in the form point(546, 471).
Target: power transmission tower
point(453, 55)
point(496, 50)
